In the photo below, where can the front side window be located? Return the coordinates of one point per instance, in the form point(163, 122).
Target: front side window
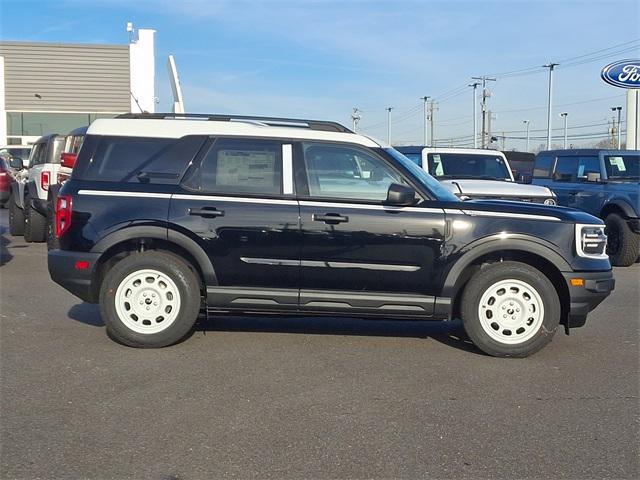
point(622, 167)
point(337, 171)
point(587, 165)
point(239, 166)
point(461, 165)
point(566, 168)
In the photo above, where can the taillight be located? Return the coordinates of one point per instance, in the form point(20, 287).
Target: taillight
point(45, 178)
point(68, 159)
point(63, 214)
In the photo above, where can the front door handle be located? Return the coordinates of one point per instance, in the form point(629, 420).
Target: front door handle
point(330, 218)
point(206, 212)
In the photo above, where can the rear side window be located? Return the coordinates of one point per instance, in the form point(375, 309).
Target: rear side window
point(542, 166)
point(587, 165)
point(239, 166)
point(135, 159)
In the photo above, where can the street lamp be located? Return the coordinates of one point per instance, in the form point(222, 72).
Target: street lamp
point(619, 110)
point(565, 115)
point(389, 124)
point(550, 66)
point(526, 122)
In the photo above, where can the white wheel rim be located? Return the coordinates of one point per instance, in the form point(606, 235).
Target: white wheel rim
point(147, 301)
point(511, 311)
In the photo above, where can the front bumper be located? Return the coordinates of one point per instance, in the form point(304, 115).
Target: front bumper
point(583, 299)
point(63, 268)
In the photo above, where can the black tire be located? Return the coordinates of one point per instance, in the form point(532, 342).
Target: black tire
point(188, 288)
point(623, 245)
point(16, 218)
point(52, 240)
point(535, 338)
point(35, 226)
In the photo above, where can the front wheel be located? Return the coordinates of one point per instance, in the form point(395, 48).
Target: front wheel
point(510, 309)
point(150, 299)
point(623, 245)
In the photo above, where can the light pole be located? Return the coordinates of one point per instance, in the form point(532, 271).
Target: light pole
point(355, 117)
point(550, 66)
point(619, 110)
point(389, 124)
point(526, 122)
point(424, 117)
point(475, 115)
point(565, 115)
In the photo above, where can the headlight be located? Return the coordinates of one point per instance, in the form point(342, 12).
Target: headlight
point(550, 201)
point(591, 241)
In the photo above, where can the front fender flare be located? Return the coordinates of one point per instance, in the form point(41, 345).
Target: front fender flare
point(494, 243)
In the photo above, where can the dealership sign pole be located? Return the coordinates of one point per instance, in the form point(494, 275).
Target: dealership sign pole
point(626, 74)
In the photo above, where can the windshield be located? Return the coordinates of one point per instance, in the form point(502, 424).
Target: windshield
point(464, 165)
point(622, 167)
point(434, 186)
point(22, 153)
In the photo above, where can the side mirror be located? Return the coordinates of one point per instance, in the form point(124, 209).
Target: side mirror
point(593, 176)
point(525, 178)
point(68, 159)
point(400, 195)
point(16, 163)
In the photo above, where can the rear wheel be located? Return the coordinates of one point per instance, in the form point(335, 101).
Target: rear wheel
point(35, 225)
point(16, 218)
point(150, 299)
point(623, 245)
point(510, 309)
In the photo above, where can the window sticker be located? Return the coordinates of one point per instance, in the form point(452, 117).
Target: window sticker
point(437, 165)
point(618, 162)
point(245, 168)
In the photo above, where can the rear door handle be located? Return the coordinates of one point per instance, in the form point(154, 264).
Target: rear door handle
point(330, 218)
point(206, 212)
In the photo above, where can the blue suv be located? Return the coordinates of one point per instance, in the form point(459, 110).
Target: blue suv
point(604, 183)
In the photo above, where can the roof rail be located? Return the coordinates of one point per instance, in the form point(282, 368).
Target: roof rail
point(266, 121)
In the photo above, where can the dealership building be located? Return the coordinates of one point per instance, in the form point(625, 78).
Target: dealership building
point(56, 87)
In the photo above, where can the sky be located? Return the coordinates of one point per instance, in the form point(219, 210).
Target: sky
point(321, 58)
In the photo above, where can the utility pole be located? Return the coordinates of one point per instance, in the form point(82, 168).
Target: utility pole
point(424, 117)
point(504, 142)
point(474, 85)
point(432, 108)
point(485, 94)
point(565, 115)
point(550, 66)
point(618, 130)
point(355, 117)
point(526, 122)
point(389, 124)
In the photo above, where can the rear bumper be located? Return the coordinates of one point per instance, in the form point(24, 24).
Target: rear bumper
point(4, 196)
point(63, 270)
point(597, 287)
point(39, 205)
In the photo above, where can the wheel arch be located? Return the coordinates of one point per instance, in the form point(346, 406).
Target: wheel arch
point(145, 238)
point(521, 250)
point(618, 206)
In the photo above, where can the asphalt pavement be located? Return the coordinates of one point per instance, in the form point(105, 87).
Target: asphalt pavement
point(279, 398)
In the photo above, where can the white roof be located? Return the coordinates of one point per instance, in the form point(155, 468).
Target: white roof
point(176, 128)
point(466, 151)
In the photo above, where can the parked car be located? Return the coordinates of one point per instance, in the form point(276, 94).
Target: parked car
point(72, 144)
point(20, 151)
point(164, 215)
point(7, 166)
point(28, 205)
point(520, 163)
point(604, 183)
point(477, 174)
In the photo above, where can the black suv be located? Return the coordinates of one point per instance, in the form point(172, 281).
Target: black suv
point(164, 217)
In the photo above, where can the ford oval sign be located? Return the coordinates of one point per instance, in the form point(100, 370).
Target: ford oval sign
point(624, 74)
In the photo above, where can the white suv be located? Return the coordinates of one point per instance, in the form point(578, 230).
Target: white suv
point(28, 202)
point(476, 174)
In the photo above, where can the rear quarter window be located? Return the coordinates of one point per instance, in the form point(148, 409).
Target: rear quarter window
point(135, 159)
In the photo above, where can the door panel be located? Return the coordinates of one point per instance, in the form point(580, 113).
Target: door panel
point(377, 249)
